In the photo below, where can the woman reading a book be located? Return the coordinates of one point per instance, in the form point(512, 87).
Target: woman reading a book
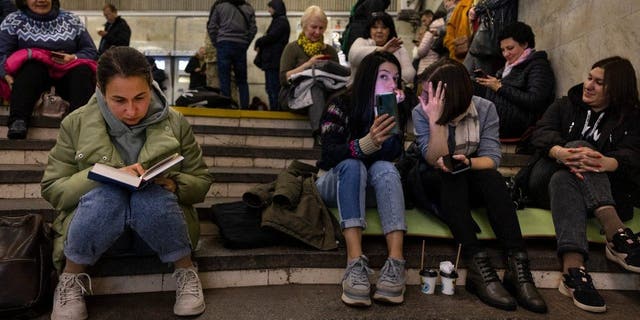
point(356, 169)
point(127, 124)
point(457, 134)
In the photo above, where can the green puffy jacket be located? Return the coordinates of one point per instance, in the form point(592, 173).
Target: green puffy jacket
point(83, 141)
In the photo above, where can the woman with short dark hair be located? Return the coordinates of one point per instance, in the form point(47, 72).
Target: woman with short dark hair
point(453, 126)
point(523, 89)
point(589, 148)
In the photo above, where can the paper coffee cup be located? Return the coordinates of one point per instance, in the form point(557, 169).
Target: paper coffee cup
point(448, 277)
point(428, 279)
point(448, 281)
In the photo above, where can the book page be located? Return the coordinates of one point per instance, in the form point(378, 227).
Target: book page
point(161, 166)
point(116, 174)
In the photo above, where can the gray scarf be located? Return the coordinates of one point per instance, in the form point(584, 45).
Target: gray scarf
point(130, 139)
point(467, 132)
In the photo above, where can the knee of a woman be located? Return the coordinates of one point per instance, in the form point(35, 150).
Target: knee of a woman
point(351, 165)
point(108, 192)
point(578, 144)
point(385, 169)
point(559, 178)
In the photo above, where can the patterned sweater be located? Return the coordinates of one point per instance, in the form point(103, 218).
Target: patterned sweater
point(341, 140)
point(57, 31)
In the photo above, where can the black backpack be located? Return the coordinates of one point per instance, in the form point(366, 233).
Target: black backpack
point(26, 267)
point(205, 97)
point(240, 227)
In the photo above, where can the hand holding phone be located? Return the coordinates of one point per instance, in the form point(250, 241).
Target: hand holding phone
point(57, 55)
point(479, 73)
point(454, 165)
point(387, 103)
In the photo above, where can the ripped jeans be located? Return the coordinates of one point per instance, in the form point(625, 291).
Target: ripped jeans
point(351, 186)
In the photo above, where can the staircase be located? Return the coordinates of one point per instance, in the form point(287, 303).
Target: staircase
point(242, 149)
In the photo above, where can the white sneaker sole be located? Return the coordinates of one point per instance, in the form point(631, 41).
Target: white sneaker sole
point(191, 312)
point(569, 293)
point(619, 260)
point(389, 299)
point(356, 302)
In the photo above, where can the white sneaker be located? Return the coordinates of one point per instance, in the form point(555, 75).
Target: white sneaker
point(68, 301)
point(189, 297)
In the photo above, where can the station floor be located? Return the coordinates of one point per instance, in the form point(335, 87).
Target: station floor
point(323, 302)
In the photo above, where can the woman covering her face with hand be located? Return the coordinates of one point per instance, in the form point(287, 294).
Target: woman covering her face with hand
point(129, 125)
point(451, 122)
point(356, 170)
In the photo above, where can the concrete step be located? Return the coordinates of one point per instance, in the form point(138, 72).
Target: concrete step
point(36, 152)
point(220, 267)
point(23, 181)
point(21, 206)
point(315, 301)
point(213, 135)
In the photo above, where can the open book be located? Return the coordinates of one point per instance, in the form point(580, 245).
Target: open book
point(104, 173)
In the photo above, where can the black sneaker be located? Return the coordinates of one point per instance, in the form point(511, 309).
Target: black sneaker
point(624, 249)
point(17, 130)
point(578, 285)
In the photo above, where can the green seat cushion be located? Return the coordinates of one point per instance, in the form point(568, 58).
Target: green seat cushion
point(535, 223)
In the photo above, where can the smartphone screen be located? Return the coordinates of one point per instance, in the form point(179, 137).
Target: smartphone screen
point(388, 103)
point(454, 165)
point(57, 55)
point(479, 73)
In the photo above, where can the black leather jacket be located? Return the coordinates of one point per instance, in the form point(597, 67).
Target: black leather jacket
point(525, 94)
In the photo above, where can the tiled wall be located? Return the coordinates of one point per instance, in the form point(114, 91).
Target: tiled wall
point(198, 5)
point(577, 33)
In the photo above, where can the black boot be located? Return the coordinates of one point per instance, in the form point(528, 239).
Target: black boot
point(483, 281)
point(519, 282)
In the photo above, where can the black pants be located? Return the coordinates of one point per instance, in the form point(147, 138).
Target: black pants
point(76, 87)
point(457, 194)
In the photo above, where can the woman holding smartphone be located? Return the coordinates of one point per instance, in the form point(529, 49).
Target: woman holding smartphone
point(524, 88)
point(356, 170)
point(65, 58)
point(450, 121)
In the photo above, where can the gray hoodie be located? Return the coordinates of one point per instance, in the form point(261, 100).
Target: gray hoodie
point(232, 20)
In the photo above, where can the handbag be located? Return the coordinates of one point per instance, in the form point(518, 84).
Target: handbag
point(25, 265)
point(258, 59)
point(51, 105)
point(461, 46)
point(485, 40)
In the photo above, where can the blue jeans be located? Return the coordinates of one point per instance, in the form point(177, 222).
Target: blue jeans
point(233, 54)
point(272, 86)
point(350, 183)
point(104, 213)
point(572, 200)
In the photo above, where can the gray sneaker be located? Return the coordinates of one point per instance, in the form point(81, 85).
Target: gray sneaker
point(189, 297)
point(355, 283)
point(391, 284)
point(68, 301)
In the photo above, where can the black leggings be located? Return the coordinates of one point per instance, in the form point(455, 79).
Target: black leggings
point(457, 194)
point(76, 86)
